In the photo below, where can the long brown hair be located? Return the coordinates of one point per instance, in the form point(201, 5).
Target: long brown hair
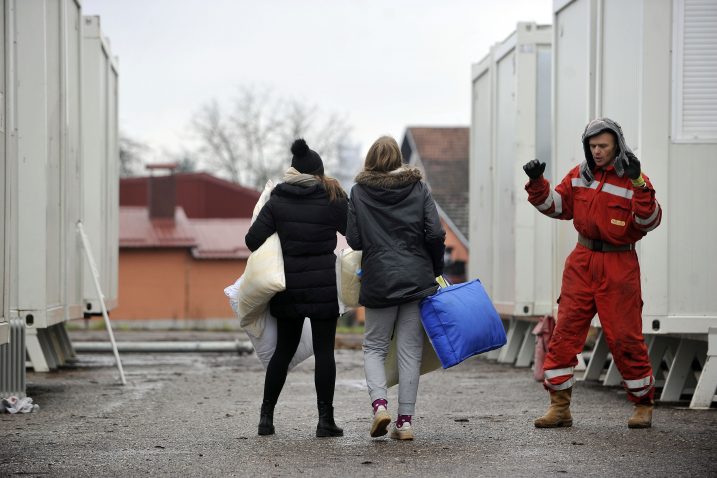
point(384, 155)
point(333, 187)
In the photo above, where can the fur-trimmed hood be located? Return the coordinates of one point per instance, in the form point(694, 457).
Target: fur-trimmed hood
point(391, 187)
point(396, 179)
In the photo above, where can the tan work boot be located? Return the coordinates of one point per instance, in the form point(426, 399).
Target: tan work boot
point(641, 417)
point(558, 415)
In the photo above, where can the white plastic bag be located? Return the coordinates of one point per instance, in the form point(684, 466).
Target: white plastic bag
point(262, 332)
point(253, 324)
point(263, 276)
point(265, 345)
point(429, 358)
point(348, 276)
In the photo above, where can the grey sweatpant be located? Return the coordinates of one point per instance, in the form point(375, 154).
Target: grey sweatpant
point(405, 321)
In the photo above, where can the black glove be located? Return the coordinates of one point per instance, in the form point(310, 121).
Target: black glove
point(534, 169)
point(632, 169)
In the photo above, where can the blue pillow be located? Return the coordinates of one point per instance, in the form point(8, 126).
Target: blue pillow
point(461, 322)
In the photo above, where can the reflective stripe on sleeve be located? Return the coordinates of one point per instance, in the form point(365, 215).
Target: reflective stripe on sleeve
point(567, 384)
point(617, 191)
point(648, 229)
point(558, 199)
point(653, 216)
point(548, 374)
point(548, 202)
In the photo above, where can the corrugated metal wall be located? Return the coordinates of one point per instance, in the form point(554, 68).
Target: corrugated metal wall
point(12, 361)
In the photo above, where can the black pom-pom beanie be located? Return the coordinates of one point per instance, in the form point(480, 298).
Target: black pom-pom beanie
point(305, 160)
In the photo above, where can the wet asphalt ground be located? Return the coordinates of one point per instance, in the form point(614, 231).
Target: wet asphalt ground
point(196, 415)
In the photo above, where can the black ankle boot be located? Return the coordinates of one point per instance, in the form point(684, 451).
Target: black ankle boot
point(266, 419)
point(327, 427)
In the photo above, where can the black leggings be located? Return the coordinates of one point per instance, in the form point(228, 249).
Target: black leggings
point(323, 334)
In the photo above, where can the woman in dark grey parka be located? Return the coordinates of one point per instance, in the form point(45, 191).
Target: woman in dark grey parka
point(306, 210)
point(393, 219)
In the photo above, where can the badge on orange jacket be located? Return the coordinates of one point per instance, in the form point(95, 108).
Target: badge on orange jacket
point(617, 222)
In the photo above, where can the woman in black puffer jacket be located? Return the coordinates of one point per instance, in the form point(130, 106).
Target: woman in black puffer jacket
point(393, 219)
point(306, 210)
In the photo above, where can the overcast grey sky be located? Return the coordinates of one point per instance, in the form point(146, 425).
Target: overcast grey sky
point(384, 65)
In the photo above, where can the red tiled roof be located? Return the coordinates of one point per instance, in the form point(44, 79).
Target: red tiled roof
point(201, 195)
point(207, 238)
point(444, 156)
point(220, 238)
point(136, 229)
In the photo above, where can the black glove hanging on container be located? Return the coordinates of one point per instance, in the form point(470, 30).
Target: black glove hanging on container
point(534, 169)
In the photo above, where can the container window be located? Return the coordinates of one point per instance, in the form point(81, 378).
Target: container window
point(695, 71)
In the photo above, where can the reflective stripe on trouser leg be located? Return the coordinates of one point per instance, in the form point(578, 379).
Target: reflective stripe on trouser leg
point(565, 385)
point(640, 387)
point(550, 374)
point(559, 378)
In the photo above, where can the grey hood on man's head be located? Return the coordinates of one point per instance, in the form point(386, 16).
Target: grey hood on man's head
point(595, 127)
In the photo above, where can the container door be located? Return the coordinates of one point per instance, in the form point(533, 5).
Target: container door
point(572, 51)
point(72, 161)
point(504, 194)
point(481, 191)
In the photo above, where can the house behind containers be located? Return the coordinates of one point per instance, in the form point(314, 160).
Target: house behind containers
point(441, 153)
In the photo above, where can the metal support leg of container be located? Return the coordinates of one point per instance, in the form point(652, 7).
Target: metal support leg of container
point(707, 383)
point(612, 377)
point(661, 349)
point(48, 348)
point(35, 350)
point(526, 354)
point(681, 368)
point(598, 358)
point(494, 354)
point(515, 337)
point(66, 345)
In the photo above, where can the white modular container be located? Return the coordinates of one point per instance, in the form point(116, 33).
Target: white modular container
point(613, 58)
point(510, 242)
point(652, 66)
point(8, 161)
point(100, 156)
point(49, 76)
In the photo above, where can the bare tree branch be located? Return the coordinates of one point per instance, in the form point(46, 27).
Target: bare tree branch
point(132, 154)
point(250, 144)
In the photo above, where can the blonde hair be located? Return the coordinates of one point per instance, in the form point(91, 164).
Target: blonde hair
point(384, 155)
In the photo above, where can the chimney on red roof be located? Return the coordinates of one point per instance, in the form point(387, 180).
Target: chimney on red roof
point(162, 190)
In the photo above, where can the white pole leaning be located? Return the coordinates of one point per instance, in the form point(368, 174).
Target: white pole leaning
point(96, 278)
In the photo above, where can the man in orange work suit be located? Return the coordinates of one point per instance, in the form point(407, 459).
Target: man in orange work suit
point(612, 205)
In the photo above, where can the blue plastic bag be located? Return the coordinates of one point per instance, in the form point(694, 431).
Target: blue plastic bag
point(461, 322)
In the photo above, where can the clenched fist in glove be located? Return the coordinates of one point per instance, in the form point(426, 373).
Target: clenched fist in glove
point(534, 169)
point(632, 168)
